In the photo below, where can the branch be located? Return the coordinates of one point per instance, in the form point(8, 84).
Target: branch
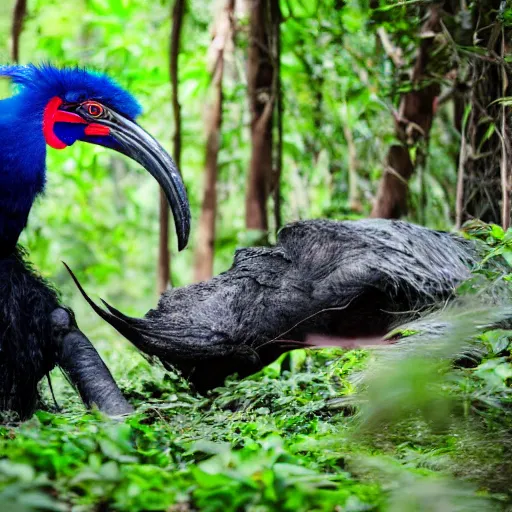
point(459, 198)
point(505, 181)
point(394, 53)
point(18, 17)
point(278, 92)
point(177, 24)
point(164, 258)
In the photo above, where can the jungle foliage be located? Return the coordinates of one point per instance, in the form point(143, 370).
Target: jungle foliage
point(100, 216)
point(406, 429)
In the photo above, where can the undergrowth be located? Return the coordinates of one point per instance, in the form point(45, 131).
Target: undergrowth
point(425, 426)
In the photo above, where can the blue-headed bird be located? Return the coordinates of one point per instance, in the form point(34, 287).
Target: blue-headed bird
point(58, 107)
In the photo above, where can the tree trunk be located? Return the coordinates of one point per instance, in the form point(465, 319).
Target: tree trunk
point(412, 125)
point(354, 199)
point(278, 165)
point(18, 17)
point(484, 173)
point(261, 76)
point(164, 256)
point(206, 239)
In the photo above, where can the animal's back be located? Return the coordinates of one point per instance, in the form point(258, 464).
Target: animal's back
point(383, 253)
point(318, 264)
point(335, 277)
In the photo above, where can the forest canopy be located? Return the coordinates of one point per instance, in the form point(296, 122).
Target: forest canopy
point(361, 96)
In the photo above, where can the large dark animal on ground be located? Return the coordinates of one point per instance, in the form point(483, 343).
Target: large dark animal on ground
point(57, 107)
point(350, 279)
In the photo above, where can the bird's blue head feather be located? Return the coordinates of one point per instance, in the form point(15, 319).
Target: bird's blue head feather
point(74, 85)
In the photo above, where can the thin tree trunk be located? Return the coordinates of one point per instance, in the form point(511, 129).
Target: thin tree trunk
point(260, 80)
point(164, 256)
point(459, 196)
point(459, 106)
point(506, 150)
point(312, 141)
point(354, 200)
point(505, 166)
point(278, 221)
point(18, 17)
point(412, 125)
point(206, 240)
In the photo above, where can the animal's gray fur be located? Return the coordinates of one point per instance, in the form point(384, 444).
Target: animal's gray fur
point(349, 278)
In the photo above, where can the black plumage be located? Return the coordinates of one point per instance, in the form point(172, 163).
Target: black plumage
point(37, 333)
point(350, 278)
point(26, 348)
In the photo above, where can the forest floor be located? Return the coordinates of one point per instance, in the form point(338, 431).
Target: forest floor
point(315, 431)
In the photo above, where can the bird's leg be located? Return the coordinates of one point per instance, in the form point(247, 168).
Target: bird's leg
point(84, 367)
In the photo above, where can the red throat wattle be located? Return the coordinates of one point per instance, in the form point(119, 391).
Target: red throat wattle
point(53, 115)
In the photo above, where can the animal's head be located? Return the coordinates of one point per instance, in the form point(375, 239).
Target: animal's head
point(73, 104)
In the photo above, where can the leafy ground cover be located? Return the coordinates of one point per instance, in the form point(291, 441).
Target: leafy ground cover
point(327, 430)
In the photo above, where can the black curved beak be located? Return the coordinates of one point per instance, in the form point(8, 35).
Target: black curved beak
point(134, 142)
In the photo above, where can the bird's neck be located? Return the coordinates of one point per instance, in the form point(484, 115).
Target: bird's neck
point(22, 168)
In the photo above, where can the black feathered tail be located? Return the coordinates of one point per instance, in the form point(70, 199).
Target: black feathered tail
point(125, 325)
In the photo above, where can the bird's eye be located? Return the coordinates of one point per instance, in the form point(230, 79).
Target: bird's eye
point(94, 109)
